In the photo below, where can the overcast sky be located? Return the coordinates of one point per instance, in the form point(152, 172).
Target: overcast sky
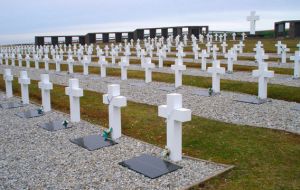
point(21, 20)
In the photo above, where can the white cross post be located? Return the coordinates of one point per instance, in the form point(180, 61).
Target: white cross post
point(231, 57)
point(1, 58)
point(57, 63)
point(175, 115)
point(36, 61)
point(8, 83)
point(46, 60)
point(224, 45)
point(252, 19)
point(215, 49)
point(278, 46)
point(216, 71)
point(103, 64)
point(263, 74)
point(13, 58)
point(24, 81)
point(161, 55)
point(148, 66)
point(115, 102)
point(241, 46)
point(203, 56)
point(70, 62)
point(27, 59)
point(74, 93)
point(20, 59)
point(86, 63)
point(178, 68)
point(296, 59)
point(124, 65)
point(284, 50)
point(45, 85)
point(6, 59)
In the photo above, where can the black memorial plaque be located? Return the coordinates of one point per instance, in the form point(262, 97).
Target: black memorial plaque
point(296, 108)
point(150, 166)
point(30, 114)
point(54, 125)
point(252, 100)
point(11, 105)
point(93, 142)
point(167, 88)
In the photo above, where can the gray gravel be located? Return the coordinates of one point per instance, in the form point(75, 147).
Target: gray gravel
point(33, 158)
point(276, 114)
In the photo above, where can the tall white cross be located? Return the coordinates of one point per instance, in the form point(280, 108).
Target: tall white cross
point(86, 63)
point(20, 59)
point(113, 56)
point(45, 85)
point(70, 62)
point(203, 56)
point(241, 46)
point(296, 59)
point(46, 60)
point(175, 115)
point(24, 81)
point(263, 74)
point(27, 59)
point(13, 58)
point(8, 77)
point(231, 57)
point(148, 66)
point(103, 64)
point(74, 93)
point(124, 64)
point(284, 50)
point(115, 102)
point(216, 71)
point(252, 19)
point(1, 58)
point(178, 68)
point(161, 55)
point(278, 45)
point(36, 61)
point(57, 63)
point(215, 49)
point(224, 45)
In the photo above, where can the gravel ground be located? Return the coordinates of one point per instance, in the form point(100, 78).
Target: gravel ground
point(276, 114)
point(33, 158)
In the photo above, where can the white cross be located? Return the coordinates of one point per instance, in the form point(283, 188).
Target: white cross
point(258, 47)
point(215, 49)
point(175, 115)
point(224, 45)
point(261, 56)
point(106, 48)
point(27, 59)
point(203, 56)
point(148, 66)
point(20, 59)
point(1, 58)
point(241, 46)
point(24, 81)
point(243, 36)
point(45, 85)
point(113, 56)
point(195, 50)
point(263, 74)
point(252, 19)
point(284, 50)
point(70, 62)
point(8, 77)
point(115, 102)
point(74, 93)
point(86, 63)
point(103, 64)
point(161, 55)
point(278, 45)
point(36, 61)
point(216, 71)
point(46, 60)
point(231, 56)
point(208, 45)
point(296, 59)
point(178, 68)
point(13, 57)
point(124, 64)
point(57, 63)
point(233, 36)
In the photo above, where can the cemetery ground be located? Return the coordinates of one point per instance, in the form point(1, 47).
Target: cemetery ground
point(263, 158)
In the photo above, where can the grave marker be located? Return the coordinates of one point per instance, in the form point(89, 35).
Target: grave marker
point(45, 85)
point(24, 81)
point(216, 71)
point(74, 92)
point(8, 77)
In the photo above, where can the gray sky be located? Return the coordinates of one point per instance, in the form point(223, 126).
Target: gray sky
point(21, 20)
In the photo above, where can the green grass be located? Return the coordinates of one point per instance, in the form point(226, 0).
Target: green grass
point(280, 92)
point(263, 158)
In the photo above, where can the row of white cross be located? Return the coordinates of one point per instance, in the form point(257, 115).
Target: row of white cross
point(173, 111)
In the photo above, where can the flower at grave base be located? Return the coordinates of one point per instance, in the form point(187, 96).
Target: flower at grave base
point(65, 123)
point(107, 134)
point(40, 110)
point(166, 152)
point(210, 91)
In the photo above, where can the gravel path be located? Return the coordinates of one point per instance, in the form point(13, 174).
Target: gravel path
point(33, 158)
point(276, 114)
